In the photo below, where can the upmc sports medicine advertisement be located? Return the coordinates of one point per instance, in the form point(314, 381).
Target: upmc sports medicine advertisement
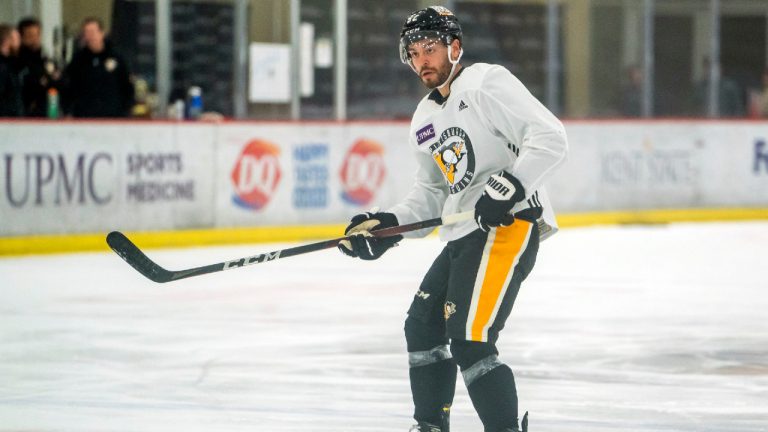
point(65, 178)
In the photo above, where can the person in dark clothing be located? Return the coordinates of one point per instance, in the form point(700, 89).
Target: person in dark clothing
point(38, 72)
point(10, 80)
point(730, 95)
point(632, 93)
point(97, 79)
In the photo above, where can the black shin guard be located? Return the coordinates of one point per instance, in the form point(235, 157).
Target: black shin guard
point(432, 371)
point(494, 397)
point(432, 387)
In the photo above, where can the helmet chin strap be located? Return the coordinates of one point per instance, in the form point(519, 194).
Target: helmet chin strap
point(453, 67)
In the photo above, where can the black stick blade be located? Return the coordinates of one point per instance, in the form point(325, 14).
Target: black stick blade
point(136, 258)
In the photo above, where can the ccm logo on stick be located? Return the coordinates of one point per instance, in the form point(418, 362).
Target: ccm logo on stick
point(255, 259)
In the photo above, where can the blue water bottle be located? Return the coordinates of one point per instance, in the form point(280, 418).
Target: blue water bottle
point(195, 105)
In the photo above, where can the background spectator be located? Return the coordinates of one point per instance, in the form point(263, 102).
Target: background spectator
point(760, 98)
point(97, 78)
point(632, 92)
point(38, 72)
point(730, 97)
point(10, 80)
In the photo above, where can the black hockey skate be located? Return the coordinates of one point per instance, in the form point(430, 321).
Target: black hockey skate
point(445, 421)
point(523, 425)
point(425, 427)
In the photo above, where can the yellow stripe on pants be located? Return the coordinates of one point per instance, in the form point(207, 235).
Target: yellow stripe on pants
point(505, 252)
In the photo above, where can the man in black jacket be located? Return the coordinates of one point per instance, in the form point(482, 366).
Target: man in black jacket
point(98, 81)
point(10, 80)
point(38, 72)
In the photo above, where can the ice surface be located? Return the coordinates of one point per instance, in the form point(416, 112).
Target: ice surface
point(661, 328)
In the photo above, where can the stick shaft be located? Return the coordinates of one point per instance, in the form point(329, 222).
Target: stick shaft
point(131, 254)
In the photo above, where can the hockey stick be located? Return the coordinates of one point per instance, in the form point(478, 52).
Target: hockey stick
point(139, 261)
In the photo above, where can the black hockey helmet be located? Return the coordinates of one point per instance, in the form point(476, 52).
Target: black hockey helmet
point(434, 22)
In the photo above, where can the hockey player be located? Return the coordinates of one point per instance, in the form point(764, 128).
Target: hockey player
point(482, 141)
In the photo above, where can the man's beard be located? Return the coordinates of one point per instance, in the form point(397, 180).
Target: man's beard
point(441, 77)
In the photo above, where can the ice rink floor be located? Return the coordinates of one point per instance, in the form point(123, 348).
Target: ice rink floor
point(660, 328)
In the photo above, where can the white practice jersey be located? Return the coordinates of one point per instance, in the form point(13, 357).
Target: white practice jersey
point(489, 122)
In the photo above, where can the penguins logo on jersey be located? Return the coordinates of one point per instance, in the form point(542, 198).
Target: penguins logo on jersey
point(454, 156)
point(447, 159)
point(449, 309)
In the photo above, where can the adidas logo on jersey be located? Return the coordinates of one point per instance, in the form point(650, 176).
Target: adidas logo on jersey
point(462, 106)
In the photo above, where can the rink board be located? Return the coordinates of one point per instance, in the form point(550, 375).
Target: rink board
point(65, 178)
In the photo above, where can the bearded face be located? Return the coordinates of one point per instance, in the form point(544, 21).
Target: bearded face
point(429, 59)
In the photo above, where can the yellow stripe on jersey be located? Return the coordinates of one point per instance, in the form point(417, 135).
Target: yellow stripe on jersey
point(502, 252)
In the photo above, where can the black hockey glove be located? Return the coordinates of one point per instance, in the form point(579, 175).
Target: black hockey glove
point(501, 193)
point(361, 243)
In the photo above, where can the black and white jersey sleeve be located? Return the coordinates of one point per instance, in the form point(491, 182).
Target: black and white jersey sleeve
point(513, 113)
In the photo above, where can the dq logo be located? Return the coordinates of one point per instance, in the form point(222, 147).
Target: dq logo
point(256, 174)
point(362, 172)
